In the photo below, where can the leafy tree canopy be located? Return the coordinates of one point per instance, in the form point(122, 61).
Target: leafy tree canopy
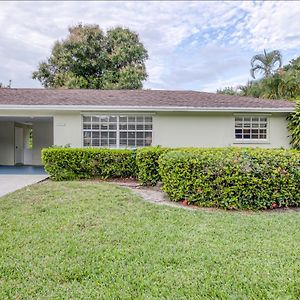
point(89, 58)
point(266, 63)
point(282, 84)
point(3, 86)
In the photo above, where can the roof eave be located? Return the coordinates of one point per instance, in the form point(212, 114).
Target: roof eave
point(144, 108)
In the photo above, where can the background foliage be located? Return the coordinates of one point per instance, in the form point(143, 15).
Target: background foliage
point(284, 83)
point(88, 58)
point(294, 127)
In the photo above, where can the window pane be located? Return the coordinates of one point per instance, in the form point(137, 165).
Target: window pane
point(103, 119)
point(104, 142)
point(112, 142)
point(123, 142)
point(95, 127)
point(123, 119)
point(95, 119)
point(96, 134)
point(104, 134)
point(86, 119)
point(148, 141)
point(112, 134)
point(140, 119)
point(95, 142)
point(131, 119)
point(113, 119)
point(131, 142)
point(87, 142)
point(140, 142)
point(86, 134)
point(87, 126)
point(131, 135)
point(140, 135)
point(123, 135)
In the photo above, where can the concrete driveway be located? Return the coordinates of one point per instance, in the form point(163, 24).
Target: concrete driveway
point(14, 178)
point(11, 183)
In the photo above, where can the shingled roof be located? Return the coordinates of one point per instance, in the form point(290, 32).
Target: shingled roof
point(154, 99)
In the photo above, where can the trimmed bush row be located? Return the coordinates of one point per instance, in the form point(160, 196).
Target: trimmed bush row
point(72, 163)
point(232, 178)
point(147, 164)
point(226, 178)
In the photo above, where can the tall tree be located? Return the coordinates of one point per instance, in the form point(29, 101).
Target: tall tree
point(266, 63)
point(89, 58)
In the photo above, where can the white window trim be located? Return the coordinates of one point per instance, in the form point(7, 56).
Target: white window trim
point(252, 141)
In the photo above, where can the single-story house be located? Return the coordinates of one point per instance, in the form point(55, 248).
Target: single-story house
point(31, 119)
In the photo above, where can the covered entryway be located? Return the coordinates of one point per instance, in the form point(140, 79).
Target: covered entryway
point(23, 138)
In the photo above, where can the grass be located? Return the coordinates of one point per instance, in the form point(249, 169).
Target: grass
point(89, 240)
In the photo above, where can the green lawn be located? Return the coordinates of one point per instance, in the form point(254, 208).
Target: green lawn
point(89, 240)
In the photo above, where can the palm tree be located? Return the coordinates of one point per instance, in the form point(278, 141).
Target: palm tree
point(266, 63)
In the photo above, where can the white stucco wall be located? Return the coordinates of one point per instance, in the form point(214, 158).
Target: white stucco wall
point(7, 143)
point(169, 130)
point(211, 130)
point(42, 137)
point(67, 129)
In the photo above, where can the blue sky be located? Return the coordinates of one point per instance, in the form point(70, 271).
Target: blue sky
point(192, 45)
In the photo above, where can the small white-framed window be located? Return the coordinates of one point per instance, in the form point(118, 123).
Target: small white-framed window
point(117, 131)
point(251, 128)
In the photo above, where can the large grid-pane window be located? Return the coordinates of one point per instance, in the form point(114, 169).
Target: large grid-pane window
point(251, 128)
point(122, 131)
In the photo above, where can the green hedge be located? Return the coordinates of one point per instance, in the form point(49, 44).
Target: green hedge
point(232, 178)
point(147, 164)
point(77, 163)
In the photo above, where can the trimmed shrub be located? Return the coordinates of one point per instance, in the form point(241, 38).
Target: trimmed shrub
point(147, 164)
point(79, 163)
point(232, 178)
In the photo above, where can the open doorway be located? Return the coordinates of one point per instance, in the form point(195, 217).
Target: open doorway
point(19, 146)
point(23, 144)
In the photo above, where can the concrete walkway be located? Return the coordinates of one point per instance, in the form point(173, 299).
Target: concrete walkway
point(10, 183)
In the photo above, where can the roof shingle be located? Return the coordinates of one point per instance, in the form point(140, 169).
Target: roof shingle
point(135, 98)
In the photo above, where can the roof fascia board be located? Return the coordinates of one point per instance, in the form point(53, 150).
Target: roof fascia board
point(144, 108)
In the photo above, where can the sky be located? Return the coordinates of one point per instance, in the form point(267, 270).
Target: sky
point(192, 45)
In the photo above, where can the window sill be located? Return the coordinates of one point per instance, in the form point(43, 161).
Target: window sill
point(251, 142)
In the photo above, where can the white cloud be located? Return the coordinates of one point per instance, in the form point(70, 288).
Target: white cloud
point(197, 45)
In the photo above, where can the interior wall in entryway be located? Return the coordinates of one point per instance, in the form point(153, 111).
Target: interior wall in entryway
point(42, 137)
point(7, 143)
